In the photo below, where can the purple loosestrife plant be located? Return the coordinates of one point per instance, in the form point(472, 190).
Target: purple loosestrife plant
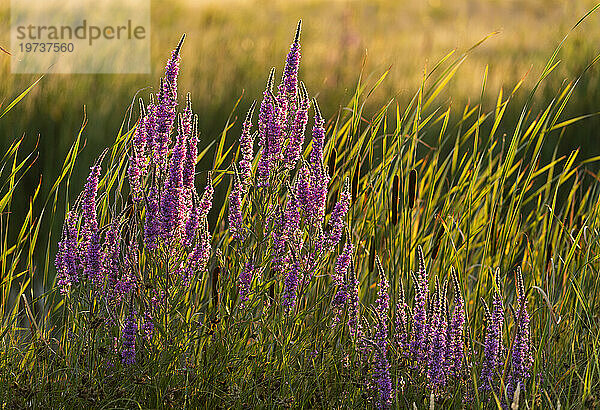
point(166, 108)
point(236, 222)
point(401, 324)
point(91, 234)
point(436, 372)
point(354, 324)
point(296, 140)
point(456, 332)
point(521, 356)
point(245, 282)
point(340, 279)
point(67, 258)
point(336, 221)
point(246, 151)
point(206, 200)
point(110, 256)
point(292, 64)
point(319, 179)
point(128, 334)
point(172, 196)
point(418, 343)
point(493, 345)
point(152, 226)
point(198, 258)
point(292, 279)
point(191, 226)
point(128, 256)
point(266, 120)
point(381, 372)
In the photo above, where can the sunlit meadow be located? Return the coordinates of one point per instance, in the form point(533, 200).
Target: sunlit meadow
point(419, 255)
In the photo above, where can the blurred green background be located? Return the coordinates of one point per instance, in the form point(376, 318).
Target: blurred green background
point(231, 46)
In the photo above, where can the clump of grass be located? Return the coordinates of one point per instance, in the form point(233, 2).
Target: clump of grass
point(288, 315)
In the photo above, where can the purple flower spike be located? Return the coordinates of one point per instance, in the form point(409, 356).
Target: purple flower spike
point(152, 225)
point(418, 343)
point(292, 63)
point(246, 150)
point(191, 225)
point(401, 324)
point(303, 189)
point(381, 374)
point(88, 206)
point(207, 197)
point(172, 198)
point(236, 222)
point(91, 235)
point(172, 67)
point(294, 148)
point(267, 116)
point(319, 179)
point(436, 372)
point(343, 262)
point(354, 324)
point(336, 221)
point(191, 153)
point(67, 257)
point(318, 138)
point(340, 279)
point(129, 331)
point(245, 282)
point(521, 356)
point(165, 115)
point(493, 338)
point(456, 332)
point(292, 217)
point(198, 258)
point(110, 258)
point(288, 300)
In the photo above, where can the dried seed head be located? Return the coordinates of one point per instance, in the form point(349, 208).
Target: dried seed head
point(395, 192)
point(412, 188)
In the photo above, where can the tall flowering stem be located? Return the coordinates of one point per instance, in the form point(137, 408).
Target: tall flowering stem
point(341, 280)
point(436, 371)
point(67, 258)
point(296, 140)
point(381, 373)
point(267, 121)
point(521, 356)
point(493, 339)
point(336, 221)
point(456, 332)
point(246, 151)
point(91, 234)
point(128, 334)
point(236, 222)
point(418, 343)
point(319, 179)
